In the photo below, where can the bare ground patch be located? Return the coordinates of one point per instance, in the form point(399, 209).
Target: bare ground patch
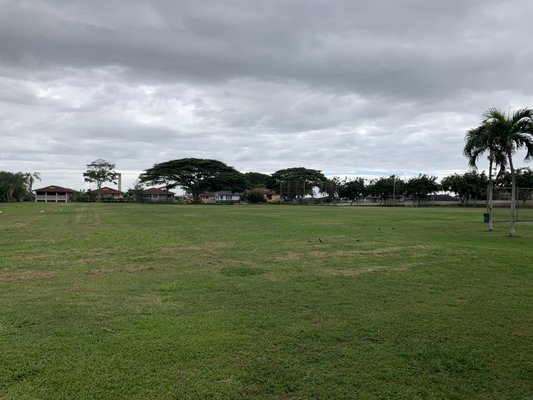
point(365, 270)
point(100, 271)
point(373, 252)
point(207, 246)
point(27, 275)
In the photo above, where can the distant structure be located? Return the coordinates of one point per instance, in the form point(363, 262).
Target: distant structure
point(227, 197)
point(108, 193)
point(54, 194)
point(160, 195)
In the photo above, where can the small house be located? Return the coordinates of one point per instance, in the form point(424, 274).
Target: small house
point(108, 193)
point(158, 195)
point(54, 194)
point(227, 197)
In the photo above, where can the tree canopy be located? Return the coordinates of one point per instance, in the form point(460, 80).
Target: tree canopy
point(100, 171)
point(256, 179)
point(295, 182)
point(195, 176)
point(420, 187)
point(353, 190)
point(468, 186)
point(14, 186)
point(385, 188)
point(523, 181)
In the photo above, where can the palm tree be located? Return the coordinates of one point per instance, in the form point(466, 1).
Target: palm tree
point(13, 186)
point(30, 178)
point(483, 140)
point(512, 132)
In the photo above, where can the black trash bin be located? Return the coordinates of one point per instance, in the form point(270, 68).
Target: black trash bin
point(486, 217)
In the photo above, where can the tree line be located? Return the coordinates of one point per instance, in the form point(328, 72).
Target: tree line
point(197, 176)
point(499, 136)
point(17, 186)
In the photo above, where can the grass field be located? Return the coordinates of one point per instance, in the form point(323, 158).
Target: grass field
point(119, 301)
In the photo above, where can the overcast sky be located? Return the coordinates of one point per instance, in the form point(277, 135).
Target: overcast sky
point(364, 88)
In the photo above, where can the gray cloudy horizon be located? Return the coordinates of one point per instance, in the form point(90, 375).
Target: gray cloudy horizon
point(366, 88)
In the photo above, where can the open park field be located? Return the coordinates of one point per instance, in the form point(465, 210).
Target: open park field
point(120, 301)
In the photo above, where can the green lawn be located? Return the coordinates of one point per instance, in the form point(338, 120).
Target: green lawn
point(119, 301)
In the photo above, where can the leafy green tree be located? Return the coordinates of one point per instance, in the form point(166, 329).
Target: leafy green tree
point(100, 171)
point(420, 187)
point(385, 188)
point(195, 176)
point(524, 182)
point(136, 194)
point(353, 190)
point(470, 185)
point(330, 187)
point(513, 132)
point(295, 182)
point(82, 196)
point(256, 179)
point(254, 197)
point(14, 187)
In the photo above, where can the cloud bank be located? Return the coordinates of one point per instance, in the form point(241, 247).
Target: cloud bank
point(350, 88)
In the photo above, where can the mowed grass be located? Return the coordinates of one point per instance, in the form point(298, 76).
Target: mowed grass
point(119, 301)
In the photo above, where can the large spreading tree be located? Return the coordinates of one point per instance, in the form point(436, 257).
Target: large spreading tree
point(195, 176)
point(512, 132)
point(256, 179)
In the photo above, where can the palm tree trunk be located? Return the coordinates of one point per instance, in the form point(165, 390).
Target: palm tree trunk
point(512, 231)
point(489, 197)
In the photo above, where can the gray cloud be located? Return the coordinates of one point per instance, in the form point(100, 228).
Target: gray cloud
point(345, 87)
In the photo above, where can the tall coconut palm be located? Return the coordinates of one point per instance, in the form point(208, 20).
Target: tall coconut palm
point(483, 140)
point(513, 132)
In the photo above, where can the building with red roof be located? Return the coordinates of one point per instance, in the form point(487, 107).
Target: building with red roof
point(158, 195)
point(54, 194)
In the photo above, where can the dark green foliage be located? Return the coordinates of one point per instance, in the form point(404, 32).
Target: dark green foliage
point(420, 187)
point(385, 188)
point(331, 188)
point(256, 179)
point(82, 196)
point(523, 180)
point(195, 176)
point(14, 186)
point(523, 177)
point(135, 194)
point(353, 190)
point(468, 186)
point(254, 197)
point(295, 182)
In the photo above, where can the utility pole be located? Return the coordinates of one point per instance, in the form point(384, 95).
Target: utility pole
point(394, 190)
